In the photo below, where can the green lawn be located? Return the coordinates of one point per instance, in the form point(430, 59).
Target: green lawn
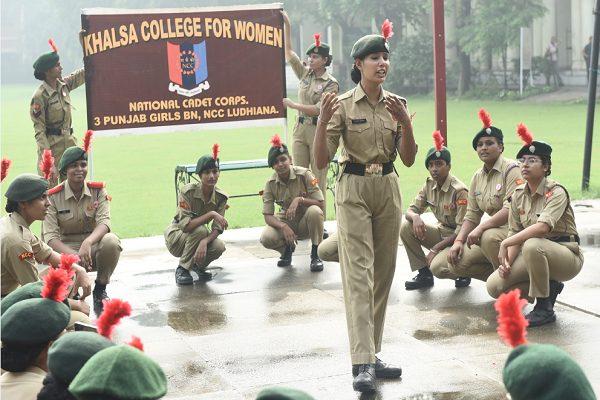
point(139, 169)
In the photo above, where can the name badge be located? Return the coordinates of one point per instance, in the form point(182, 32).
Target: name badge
point(64, 211)
point(359, 121)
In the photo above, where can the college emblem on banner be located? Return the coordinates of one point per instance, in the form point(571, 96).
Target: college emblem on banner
point(188, 71)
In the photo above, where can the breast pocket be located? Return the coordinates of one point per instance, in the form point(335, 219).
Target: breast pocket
point(359, 133)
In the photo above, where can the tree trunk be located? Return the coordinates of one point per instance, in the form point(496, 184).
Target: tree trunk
point(504, 67)
point(463, 11)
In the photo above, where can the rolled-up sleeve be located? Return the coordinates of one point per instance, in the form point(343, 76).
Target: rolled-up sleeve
point(514, 222)
point(556, 204)
point(184, 211)
point(419, 204)
point(75, 79)
point(312, 187)
point(473, 213)
point(461, 209)
point(222, 206)
point(103, 210)
point(335, 127)
point(299, 69)
point(268, 200)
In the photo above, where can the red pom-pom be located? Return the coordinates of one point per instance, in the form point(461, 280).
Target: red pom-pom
point(136, 342)
point(484, 116)
point(512, 325)
point(53, 45)
point(317, 39)
point(87, 140)
point(47, 163)
point(387, 29)
point(215, 151)
point(114, 310)
point(5, 166)
point(56, 285)
point(524, 134)
point(66, 263)
point(276, 141)
point(438, 140)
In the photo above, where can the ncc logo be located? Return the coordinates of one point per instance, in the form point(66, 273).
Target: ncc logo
point(188, 70)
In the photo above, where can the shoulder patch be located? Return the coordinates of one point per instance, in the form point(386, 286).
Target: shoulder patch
point(96, 185)
point(519, 181)
point(461, 202)
point(56, 189)
point(25, 255)
point(184, 205)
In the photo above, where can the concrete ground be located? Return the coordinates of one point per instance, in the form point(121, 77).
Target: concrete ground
point(257, 325)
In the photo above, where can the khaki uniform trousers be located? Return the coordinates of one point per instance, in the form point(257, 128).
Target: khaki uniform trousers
point(539, 261)
point(184, 245)
point(414, 247)
point(66, 140)
point(368, 216)
point(302, 151)
point(477, 262)
point(105, 255)
point(310, 225)
point(328, 249)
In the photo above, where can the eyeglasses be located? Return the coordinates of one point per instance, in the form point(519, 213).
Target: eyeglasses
point(528, 161)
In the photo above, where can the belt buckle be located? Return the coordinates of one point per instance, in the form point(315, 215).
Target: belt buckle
point(374, 169)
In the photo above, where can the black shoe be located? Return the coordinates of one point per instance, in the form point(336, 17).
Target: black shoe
point(316, 265)
point(99, 296)
point(286, 258)
point(424, 279)
point(382, 370)
point(462, 282)
point(325, 234)
point(365, 378)
point(183, 277)
point(555, 289)
point(203, 274)
point(543, 312)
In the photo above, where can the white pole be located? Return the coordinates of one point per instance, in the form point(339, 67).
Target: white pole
point(521, 61)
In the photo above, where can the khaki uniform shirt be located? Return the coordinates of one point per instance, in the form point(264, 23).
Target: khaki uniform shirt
point(448, 202)
point(490, 191)
point(369, 133)
point(72, 220)
point(312, 87)
point(51, 108)
point(191, 205)
point(301, 183)
point(549, 204)
point(21, 249)
point(22, 385)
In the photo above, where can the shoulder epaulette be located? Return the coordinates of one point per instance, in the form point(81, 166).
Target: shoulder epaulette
point(346, 95)
point(56, 189)
point(96, 185)
point(222, 193)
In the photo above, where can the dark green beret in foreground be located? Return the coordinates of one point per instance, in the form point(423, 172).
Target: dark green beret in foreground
point(544, 372)
point(120, 372)
point(26, 187)
point(433, 154)
point(46, 61)
point(323, 49)
point(71, 351)
point(492, 131)
point(34, 321)
point(536, 148)
point(282, 393)
point(369, 44)
point(72, 154)
point(206, 162)
point(32, 290)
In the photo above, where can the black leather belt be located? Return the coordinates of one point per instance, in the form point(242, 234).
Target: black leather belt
point(368, 169)
point(56, 131)
point(565, 239)
point(307, 120)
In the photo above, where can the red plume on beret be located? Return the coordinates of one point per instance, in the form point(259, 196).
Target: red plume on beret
point(66, 263)
point(438, 140)
point(387, 29)
point(47, 164)
point(512, 325)
point(114, 311)
point(87, 140)
point(215, 150)
point(5, 166)
point(136, 342)
point(485, 118)
point(524, 134)
point(53, 45)
point(276, 141)
point(56, 285)
point(317, 39)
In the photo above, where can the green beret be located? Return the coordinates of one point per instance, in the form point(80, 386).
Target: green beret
point(536, 148)
point(70, 352)
point(206, 162)
point(282, 393)
point(492, 131)
point(433, 154)
point(26, 187)
point(322, 50)
point(46, 61)
point(543, 371)
point(32, 290)
point(369, 44)
point(72, 154)
point(275, 152)
point(120, 372)
point(34, 321)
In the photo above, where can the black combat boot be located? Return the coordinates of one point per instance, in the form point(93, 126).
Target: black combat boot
point(316, 265)
point(183, 276)
point(543, 312)
point(555, 289)
point(462, 282)
point(365, 378)
point(203, 274)
point(382, 370)
point(424, 279)
point(99, 295)
point(286, 259)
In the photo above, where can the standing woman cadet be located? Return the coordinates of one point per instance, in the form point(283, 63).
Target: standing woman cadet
point(314, 81)
point(374, 125)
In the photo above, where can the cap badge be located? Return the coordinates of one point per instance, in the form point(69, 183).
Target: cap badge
point(488, 130)
point(532, 149)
